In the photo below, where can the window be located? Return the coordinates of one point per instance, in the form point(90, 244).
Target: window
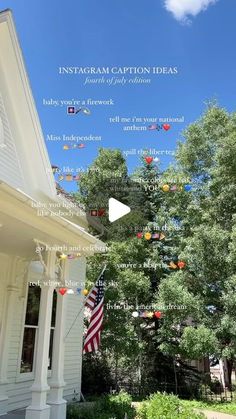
point(31, 329)
point(53, 324)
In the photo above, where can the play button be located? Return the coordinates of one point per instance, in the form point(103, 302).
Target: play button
point(117, 209)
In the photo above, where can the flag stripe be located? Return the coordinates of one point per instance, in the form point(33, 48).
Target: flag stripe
point(95, 302)
point(95, 329)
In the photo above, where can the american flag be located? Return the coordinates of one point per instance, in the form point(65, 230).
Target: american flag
point(95, 302)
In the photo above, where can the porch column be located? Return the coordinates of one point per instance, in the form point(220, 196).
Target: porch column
point(5, 336)
point(39, 408)
point(57, 384)
point(9, 270)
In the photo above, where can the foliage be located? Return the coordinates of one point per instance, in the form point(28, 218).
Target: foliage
point(118, 405)
point(106, 407)
point(96, 375)
point(199, 342)
point(75, 412)
point(166, 406)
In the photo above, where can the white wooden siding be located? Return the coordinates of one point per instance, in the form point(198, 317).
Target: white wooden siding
point(73, 344)
point(10, 169)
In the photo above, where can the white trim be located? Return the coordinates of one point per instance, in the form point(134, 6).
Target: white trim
point(25, 376)
point(28, 376)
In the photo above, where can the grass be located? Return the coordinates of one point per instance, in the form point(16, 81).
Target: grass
point(224, 407)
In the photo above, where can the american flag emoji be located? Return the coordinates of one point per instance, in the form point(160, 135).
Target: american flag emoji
point(153, 127)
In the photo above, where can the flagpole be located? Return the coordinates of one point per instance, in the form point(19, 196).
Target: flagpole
point(83, 305)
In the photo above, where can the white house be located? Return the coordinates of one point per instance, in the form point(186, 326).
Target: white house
point(40, 362)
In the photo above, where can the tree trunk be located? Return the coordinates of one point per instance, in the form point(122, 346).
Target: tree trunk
point(229, 366)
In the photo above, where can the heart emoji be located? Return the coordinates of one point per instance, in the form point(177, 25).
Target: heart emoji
point(139, 235)
point(187, 188)
point(166, 127)
point(157, 314)
point(149, 159)
point(62, 291)
point(147, 236)
point(181, 264)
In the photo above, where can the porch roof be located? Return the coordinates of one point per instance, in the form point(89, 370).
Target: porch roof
point(20, 224)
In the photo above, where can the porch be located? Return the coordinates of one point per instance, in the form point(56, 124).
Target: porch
point(26, 373)
point(17, 414)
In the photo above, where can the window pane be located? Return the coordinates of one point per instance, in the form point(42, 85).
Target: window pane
point(32, 311)
point(28, 350)
point(54, 308)
point(51, 349)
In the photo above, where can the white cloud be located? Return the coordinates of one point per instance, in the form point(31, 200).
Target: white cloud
point(181, 9)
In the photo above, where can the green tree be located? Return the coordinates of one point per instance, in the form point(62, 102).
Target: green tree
point(206, 243)
point(197, 301)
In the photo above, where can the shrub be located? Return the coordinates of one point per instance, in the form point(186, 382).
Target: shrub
point(118, 405)
point(165, 406)
point(106, 407)
point(74, 411)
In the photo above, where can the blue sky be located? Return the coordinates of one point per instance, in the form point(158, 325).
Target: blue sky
point(89, 33)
